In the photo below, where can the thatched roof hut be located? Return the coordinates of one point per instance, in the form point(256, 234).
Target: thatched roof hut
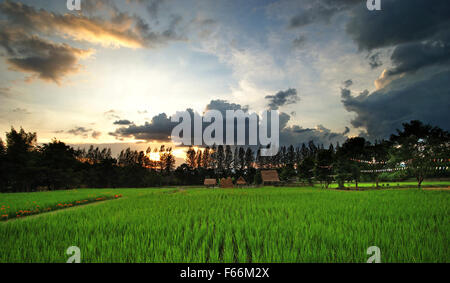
point(241, 181)
point(210, 183)
point(226, 183)
point(270, 177)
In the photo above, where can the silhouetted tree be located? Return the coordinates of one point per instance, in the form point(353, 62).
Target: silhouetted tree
point(323, 169)
point(228, 161)
point(206, 158)
point(2, 166)
point(418, 146)
point(21, 160)
point(191, 158)
point(199, 159)
point(347, 162)
point(306, 169)
point(59, 162)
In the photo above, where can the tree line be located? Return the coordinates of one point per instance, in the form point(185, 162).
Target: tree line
point(418, 151)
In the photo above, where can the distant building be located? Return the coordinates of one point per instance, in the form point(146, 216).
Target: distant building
point(226, 183)
point(270, 177)
point(210, 183)
point(241, 182)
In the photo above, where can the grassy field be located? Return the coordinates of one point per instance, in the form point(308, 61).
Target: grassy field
point(409, 184)
point(22, 204)
point(234, 225)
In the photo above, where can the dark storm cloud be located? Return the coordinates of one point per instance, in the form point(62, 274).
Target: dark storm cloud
point(160, 128)
point(320, 11)
point(398, 22)
point(413, 56)
point(123, 122)
point(405, 99)
point(296, 135)
point(282, 98)
point(416, 87)
point(41, 58)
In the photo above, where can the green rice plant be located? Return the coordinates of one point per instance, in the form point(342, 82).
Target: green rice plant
point(270, 224)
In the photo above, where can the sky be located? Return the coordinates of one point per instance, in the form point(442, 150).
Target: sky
point(114, 72)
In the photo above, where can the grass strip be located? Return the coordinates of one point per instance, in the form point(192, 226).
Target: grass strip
point(37, 209)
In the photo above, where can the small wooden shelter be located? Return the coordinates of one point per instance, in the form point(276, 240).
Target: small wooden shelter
point(210, 183)
point(226, 183)
point(270, 177)
point(241, 182)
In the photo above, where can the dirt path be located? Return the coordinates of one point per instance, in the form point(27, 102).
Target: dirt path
point(437, 189)
point(56, 211)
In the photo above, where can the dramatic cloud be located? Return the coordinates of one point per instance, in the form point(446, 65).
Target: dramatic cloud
point(415, 87)
point(122, 30)
point(41, 58)
point(296, 135)
point(282, 98)
point(160, 128)
point(398, 22)
point(28, 51)
point(413, 56)
point(405, 99)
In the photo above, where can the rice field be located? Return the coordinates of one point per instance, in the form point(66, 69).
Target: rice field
point(233, 225)
point(25, 204)
point(409, 184)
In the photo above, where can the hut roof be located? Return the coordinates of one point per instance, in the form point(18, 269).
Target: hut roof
point(241, 181)
point(226, 183)
point(270, 176)
point(209, 182)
